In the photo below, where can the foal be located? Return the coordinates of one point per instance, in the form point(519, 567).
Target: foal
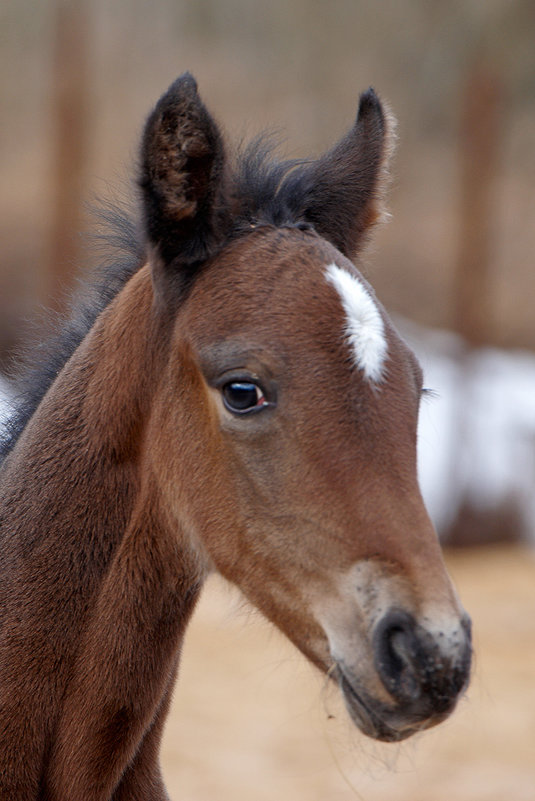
point(240, 402)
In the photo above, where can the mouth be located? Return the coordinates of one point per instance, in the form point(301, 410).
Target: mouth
point(375, 719)
point(418, 680)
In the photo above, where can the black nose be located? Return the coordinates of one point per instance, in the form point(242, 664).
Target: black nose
point(421, 671)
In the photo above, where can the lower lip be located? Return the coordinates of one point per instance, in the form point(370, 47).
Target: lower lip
point(367, 720)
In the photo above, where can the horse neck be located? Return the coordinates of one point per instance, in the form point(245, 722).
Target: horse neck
point(74, 481)
point(96, 587)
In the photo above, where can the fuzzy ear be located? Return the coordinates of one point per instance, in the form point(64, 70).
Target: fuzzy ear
point(341, 193)
point(182, 165)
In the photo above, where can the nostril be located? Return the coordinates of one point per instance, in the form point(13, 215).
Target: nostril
point(416, 667)
point(395, 651)
point(396, 655)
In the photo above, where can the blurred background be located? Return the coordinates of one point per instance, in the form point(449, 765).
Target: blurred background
point(454, 264)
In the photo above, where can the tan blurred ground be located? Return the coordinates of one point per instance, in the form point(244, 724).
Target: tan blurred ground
point(250, 717)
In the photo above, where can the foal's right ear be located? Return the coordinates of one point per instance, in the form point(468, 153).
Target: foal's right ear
point(182, 165)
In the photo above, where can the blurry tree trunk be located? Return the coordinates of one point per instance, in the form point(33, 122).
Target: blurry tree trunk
point(474, 315)
point(479, 146)
point(70, 118)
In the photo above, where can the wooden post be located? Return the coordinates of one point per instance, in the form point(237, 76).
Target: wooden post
point(479, 144)
point(480, 137)
point(70, 110)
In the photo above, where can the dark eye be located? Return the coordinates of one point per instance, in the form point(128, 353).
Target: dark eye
point(241, 397)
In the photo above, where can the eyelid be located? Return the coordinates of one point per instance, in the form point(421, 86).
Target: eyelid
point(237, 375)
point(242, 375)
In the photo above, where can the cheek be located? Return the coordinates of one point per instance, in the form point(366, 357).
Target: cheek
point(187, 457)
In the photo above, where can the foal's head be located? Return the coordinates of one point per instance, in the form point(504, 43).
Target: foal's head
point(283, 442)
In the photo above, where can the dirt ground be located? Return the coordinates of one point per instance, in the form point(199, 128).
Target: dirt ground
point(251, 720)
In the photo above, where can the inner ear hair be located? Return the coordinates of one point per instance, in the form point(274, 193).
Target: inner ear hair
point(181, 177)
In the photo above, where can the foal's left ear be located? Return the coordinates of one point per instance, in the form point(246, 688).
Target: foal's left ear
point(182, 165)
point(341, 193)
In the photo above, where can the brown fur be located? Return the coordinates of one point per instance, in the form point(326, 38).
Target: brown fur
point(132, 481)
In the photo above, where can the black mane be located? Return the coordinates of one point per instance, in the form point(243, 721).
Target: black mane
point(267, 191)
point(263, 192)
point(47, 358)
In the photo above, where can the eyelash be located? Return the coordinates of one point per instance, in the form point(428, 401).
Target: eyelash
point(429, 394)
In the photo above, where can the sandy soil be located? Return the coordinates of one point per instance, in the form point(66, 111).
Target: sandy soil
point(251, 720)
